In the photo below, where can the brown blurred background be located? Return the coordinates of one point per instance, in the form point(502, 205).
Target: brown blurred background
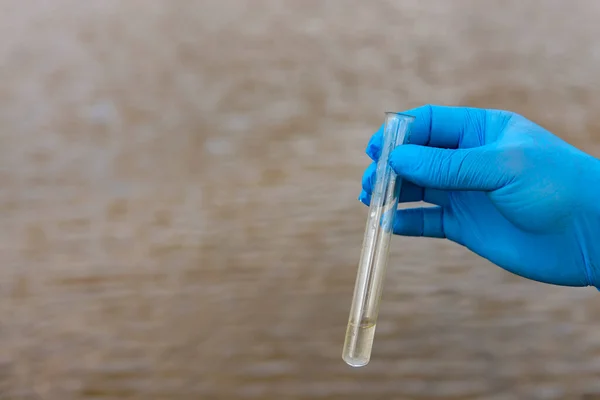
point(178, 212)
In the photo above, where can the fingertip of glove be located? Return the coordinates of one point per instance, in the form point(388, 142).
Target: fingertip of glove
point(398, 158)
point(363, 197)
point(406, 154)
point(372, 151)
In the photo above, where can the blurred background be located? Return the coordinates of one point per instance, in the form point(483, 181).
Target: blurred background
point(178, 184)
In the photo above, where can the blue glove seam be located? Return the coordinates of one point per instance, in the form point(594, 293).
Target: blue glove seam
point(442, 224)
point(430, 124)
point(588, 273)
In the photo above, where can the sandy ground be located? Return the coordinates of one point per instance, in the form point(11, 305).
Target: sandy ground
point(178, 184)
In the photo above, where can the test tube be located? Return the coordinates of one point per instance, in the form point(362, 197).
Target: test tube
point(376, 242)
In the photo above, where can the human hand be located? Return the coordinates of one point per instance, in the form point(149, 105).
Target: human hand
point(502, 186)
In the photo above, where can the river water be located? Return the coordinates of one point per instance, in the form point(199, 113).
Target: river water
point(178, 184)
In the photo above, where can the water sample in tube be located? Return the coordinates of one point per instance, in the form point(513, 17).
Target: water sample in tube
point(376, 242)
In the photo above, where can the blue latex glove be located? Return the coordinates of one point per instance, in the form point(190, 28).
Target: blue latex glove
point(502, 186)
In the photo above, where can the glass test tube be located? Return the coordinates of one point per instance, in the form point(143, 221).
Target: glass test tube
point(376, 242)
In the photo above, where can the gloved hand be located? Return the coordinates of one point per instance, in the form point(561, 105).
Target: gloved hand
point(502, 186)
